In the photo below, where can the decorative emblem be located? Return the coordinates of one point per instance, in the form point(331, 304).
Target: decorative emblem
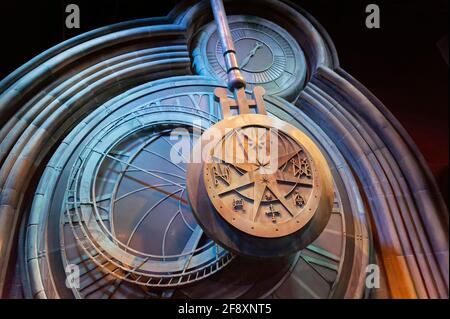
point(273, 214)
point(299, 200)
point(262, 178)
point(221, 172)
point(301, 168)
point(238, 204)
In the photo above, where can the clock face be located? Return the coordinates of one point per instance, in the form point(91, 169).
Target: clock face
point(116, 213)
point(267, 55)
point(127, 208)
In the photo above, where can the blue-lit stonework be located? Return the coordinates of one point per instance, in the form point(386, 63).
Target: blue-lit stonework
point(110, 89)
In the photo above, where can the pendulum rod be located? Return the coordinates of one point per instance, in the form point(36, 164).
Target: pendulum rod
point(235, 78)
point(236, 82)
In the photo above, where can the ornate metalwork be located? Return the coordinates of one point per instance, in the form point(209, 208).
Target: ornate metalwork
point(175, 101)
point(118, 173)
point(221, 173)
point(273, 214)
point(238, 204)
point(266, 181)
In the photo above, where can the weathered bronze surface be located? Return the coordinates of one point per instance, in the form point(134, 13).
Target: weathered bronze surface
point(290, 201)
point(276, 197)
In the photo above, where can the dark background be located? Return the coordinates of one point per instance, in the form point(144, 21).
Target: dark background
point(405, 63)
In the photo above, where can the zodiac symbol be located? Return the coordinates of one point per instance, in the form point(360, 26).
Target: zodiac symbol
point(299, 200)
point(238, 204)
point(221, 172)
point(272, 213)
point(301, 169)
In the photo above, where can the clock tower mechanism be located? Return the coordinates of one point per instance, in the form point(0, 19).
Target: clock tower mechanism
point(262, 187)
point(218, 152)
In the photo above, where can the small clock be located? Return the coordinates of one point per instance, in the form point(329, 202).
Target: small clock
point(267, 54)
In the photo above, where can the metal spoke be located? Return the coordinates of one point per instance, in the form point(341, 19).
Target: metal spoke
point(163, 244)
point(311, 260)
point(323, 252)
point(138, 224)
point(136, 167)
point(191, 245)
point(181, 211)
point(160, 190)
point(155, 171)
point(162, 157)
point(171, 145)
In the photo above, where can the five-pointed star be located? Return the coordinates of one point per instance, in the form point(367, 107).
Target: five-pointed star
point(261, 182)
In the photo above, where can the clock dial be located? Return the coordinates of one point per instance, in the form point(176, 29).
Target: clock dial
point(114, 208)
point(127, 208)
point(267, 55)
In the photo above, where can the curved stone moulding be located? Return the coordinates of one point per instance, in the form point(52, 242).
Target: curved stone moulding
point(43, 100)
point(409, 214)
point(70, 43)
point(405, 206)
point(361, 233)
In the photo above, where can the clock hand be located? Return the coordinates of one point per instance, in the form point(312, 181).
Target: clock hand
point(256, 47)
point(250, 54)
point(247, 59)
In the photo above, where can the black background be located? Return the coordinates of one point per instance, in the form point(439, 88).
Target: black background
point(401, 63)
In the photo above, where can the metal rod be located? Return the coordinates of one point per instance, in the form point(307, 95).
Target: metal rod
point(235, 79)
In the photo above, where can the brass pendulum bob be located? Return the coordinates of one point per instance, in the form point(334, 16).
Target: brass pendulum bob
point(262, 187)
